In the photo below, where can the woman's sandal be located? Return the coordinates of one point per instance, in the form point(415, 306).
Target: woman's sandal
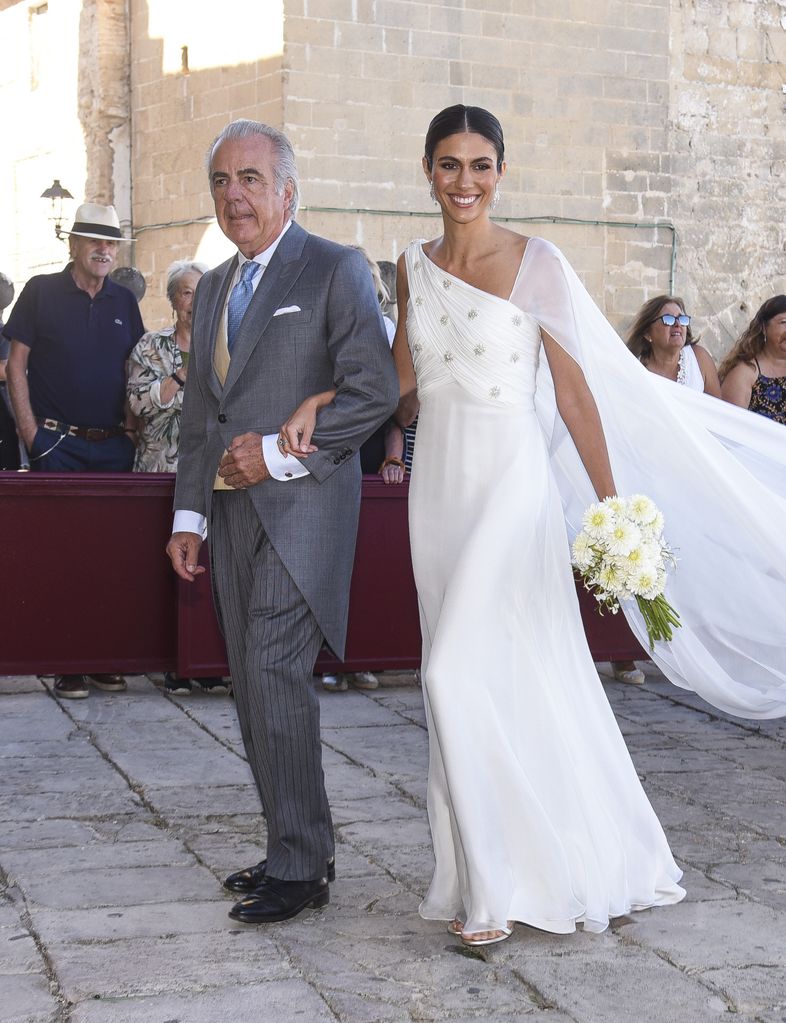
point(490, 937)
point(455, 927)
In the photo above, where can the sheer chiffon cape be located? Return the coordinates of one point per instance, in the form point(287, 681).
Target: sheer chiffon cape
point(717, 472)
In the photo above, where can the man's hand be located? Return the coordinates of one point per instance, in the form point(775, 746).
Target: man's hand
point(243, 465)
point(183, 551)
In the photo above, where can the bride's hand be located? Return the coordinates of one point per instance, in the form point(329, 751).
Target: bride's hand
point(294, 437)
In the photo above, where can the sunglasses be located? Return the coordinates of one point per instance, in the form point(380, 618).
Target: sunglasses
point(669, 319)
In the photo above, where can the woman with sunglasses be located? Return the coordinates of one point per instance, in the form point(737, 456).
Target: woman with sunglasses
point(661, 339)
point(754, 371)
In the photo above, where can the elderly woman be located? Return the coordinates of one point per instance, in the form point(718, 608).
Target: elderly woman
point(661, 339)
point(157, 371)
point(754, 371)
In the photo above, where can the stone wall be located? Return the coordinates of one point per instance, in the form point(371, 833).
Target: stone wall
point(619, 115)
point(188, 79)
point(727, 141)
point(653, 111)
point(581, 90)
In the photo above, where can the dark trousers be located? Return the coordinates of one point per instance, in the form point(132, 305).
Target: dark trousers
point(9, 442)
point(272, 641)
point(56, 452)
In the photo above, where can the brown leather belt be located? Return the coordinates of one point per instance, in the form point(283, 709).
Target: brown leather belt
point(85, 432)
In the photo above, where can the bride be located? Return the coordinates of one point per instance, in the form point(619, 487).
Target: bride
point(527, 402)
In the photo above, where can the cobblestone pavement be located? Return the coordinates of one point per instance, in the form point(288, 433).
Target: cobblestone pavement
point(120, 814)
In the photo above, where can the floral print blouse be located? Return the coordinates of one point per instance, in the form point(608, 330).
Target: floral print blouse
point(155, 357)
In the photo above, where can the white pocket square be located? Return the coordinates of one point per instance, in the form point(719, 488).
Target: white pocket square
point(287, 309)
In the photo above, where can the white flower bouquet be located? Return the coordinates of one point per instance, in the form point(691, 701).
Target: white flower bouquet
point(621, 555)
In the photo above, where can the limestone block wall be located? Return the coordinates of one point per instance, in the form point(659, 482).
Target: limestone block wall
point(658, 111)
point(727, 137)
point(581, 90)
point(191, 71)
point(646, 137)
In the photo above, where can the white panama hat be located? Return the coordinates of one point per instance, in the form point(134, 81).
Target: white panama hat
point(94, 221)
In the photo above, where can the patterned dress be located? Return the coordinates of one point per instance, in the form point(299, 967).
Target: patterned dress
point(768, 397)
point(153, 360)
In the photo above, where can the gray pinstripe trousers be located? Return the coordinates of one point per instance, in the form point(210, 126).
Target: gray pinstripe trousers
point(272, 641)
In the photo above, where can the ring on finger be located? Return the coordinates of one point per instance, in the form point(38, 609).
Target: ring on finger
point(281, 442)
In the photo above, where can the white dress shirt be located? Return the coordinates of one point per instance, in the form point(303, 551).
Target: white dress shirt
point(280, 467)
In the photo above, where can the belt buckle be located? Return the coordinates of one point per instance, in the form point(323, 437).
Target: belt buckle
point(95, 433)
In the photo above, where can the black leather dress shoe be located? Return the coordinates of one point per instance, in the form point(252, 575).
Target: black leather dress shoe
point(277, 900)
point(251, 878)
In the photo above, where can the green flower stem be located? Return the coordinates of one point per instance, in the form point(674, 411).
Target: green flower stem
point(660, 618)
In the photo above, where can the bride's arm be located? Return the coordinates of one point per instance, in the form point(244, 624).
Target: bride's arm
point(408, 404)
point(296, 432)
point(580, 415)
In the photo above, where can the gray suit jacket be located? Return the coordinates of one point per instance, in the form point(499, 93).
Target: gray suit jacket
point(337, 339)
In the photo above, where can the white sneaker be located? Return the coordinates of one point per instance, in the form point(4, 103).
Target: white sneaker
point(634, 677)
point(334, 683)
point(364, 680)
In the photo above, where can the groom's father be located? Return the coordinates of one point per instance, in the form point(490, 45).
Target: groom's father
point(288, 316)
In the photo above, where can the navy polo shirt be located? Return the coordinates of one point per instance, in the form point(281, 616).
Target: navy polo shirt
point(78, 347)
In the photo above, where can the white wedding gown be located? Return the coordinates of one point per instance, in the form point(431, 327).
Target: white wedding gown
point(536, 810)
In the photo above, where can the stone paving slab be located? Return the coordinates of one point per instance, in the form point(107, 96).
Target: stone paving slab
point(598, 987)
point(148, 920)
point(40, 863)
point(70, 887)
point(279, 1000)
point(387, 750)
point(195, 801)
point(18, 951)
point(158, 768)
point(751, 989)
point(695, 934)
point(26, 998)
point(81, 805)
point(181, 963)
point(120, 815)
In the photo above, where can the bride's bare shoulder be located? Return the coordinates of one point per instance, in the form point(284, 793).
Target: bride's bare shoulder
point(512, 243)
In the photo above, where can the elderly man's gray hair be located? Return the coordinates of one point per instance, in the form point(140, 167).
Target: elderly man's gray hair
point(285, 168)
point(179, 269)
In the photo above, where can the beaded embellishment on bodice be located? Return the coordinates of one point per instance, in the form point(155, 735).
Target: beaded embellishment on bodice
point(458, 333)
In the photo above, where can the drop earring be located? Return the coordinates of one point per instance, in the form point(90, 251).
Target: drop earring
point(495, 201)
point(433, 195)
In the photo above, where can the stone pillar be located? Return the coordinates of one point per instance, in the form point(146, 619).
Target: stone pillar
point(104, 103)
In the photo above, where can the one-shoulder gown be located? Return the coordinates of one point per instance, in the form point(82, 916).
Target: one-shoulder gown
point(536, 811)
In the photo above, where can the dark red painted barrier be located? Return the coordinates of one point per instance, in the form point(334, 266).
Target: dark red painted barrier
point(85, 585)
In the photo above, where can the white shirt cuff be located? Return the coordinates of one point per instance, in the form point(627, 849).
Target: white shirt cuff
point(189, 522)
point(281, 467)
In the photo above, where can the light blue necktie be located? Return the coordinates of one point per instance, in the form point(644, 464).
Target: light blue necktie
point(242, 293)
